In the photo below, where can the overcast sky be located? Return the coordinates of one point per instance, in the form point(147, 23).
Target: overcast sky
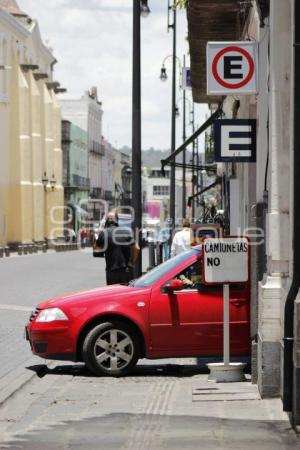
point(92, 40)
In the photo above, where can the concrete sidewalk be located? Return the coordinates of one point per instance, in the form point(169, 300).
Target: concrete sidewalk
point(159, 406)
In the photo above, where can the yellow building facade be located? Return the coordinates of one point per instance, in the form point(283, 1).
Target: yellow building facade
point(31, 191)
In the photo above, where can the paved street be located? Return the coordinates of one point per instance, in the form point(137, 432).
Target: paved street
point(29, 279)
point(26, 281)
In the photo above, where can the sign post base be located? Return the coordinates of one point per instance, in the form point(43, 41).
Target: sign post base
point(226, 373)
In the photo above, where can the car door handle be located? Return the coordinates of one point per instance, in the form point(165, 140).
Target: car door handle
point(238, 301)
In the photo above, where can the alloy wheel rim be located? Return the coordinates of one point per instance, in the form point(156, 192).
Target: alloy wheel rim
point(113, 350)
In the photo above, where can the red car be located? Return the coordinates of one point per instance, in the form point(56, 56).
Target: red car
point(167, 312)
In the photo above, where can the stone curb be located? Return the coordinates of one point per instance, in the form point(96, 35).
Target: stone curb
point(12, 382)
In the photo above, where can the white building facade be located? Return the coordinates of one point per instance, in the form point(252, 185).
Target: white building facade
point(263, 196)
point(121, 173)
point(107, 183)
point(260, 193)
point(156, 187)
point(87, 113)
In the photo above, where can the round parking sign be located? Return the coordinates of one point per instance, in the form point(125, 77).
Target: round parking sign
point(246, 75)
point(231, 68)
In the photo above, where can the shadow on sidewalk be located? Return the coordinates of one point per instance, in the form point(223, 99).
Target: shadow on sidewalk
point(119, 431)
point(141, 370)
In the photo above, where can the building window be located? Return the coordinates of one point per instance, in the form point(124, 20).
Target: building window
point(161, 190)
point(156, 173)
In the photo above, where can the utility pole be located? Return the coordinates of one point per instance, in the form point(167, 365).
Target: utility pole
point(184, 151)
point(136, 130)
point(173, 123)
point(193, 165)
point(197, 165)
point(140, 7)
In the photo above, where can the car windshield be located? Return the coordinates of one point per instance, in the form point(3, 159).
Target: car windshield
point(160, 271)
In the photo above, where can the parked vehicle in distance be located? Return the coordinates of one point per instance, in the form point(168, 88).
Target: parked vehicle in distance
point(166, 313)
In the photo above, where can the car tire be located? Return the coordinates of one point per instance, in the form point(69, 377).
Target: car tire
point(111, 348)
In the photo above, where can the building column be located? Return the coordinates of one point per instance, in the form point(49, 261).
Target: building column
point(273, 288)
point(48, 131)
point(58, 194)
point(20, 189)
point(4, 168)
point(37, 160)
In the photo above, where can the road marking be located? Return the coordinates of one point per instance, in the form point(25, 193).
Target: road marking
point(16, 307)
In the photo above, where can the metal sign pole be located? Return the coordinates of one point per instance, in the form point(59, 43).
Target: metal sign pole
point(226, 261)
point(226, 331)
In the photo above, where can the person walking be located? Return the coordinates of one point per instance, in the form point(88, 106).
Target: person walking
point(83, 237)
point(164, 237)
point(182, 239)
point(120, 251)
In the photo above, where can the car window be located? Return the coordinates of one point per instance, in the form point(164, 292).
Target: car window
point(160, 271)
point(192, 275)
point(192, 278)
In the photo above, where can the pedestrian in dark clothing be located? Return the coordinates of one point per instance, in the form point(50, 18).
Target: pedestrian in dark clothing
point(120, 251)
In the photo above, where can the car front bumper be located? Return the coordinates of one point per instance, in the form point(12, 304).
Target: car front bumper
point(51, 340)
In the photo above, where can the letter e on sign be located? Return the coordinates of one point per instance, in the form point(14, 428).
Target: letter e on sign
point(225, 260)
point(235, 140)
point(231, 68)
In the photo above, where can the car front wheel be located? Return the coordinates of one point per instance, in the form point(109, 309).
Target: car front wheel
point(111, 348)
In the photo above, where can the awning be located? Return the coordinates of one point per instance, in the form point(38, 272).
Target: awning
point(215, 183)
point(211, 20)
point(171, 159)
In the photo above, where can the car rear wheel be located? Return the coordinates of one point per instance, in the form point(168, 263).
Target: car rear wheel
point(111, 348)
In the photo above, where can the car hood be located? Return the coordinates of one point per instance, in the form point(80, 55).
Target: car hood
point(103, 293)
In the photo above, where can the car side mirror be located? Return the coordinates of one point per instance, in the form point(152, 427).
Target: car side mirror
point(173, 285)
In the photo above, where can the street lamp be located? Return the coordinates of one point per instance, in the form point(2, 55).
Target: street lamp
point(145, 10)
point(45, 181)
point(173, 131)
point(163, 71)
point(163, 77)
point(53, 182)
point(185, 100)
point(140, 7)
point(163, 74)
point(192, 122)
point(188, 101)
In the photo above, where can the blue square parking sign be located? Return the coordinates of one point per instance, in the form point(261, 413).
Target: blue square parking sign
point(235, 140)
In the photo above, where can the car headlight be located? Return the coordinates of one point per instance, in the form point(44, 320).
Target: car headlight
point(51, 314)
